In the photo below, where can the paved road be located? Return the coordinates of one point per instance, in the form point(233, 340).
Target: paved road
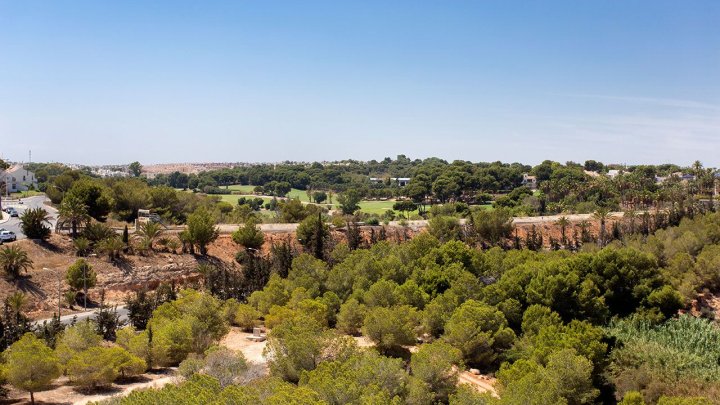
point(67, 319)
point(30, 202)
point(419, 224)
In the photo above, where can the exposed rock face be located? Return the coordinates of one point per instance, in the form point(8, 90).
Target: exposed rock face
point(150, 276)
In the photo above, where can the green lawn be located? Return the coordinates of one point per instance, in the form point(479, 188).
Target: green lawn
point(248, 189)
point(370, 207)
point(301, 194)
point(378, 207)
point(488, 207)
point(243, 189)
point(233, 198)
point(25, 194)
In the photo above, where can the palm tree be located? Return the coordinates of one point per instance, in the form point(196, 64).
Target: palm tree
point(602, 215)
point(584, 234)
point(74, 210)
point(13, 260)
point(34, 222)
point(631, 215)
point(16, 302)
point(563, 222)
point(149, 231)
point(112, 246)
point(712, 190)
point(697, 167)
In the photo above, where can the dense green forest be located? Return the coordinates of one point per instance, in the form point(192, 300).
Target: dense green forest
point(569, 187)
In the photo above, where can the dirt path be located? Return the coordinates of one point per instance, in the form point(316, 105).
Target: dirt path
point(419, 224)
point(479, 382)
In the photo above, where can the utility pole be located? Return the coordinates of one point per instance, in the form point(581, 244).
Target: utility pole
point(85, 286)
point(59, 296)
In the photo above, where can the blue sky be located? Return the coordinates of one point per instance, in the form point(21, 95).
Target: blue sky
point(177, 81)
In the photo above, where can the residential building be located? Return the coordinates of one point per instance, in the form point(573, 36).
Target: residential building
point(529, 181)
point(17, 178)
point(400, 181)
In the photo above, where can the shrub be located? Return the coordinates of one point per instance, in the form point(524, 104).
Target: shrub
point(479, 331)
point(92, 368)
point(351, 317)
point(81, 275)
point(226, 365)
point(246, 317)
point(391, 327)
point(97, 231)
point(82, 246)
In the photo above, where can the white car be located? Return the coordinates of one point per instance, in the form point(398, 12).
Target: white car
point(7, 236)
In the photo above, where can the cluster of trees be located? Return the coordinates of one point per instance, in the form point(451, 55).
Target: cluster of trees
point(96, 353)
point(150, 235)
point(537, 319)
point(569, 187)
point(32, 363)
point(84, 197)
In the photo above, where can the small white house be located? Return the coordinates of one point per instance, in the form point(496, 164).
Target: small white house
point(17, 179)
point(400, 181)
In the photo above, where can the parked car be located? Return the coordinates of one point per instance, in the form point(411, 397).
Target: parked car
point(12, 212)
point(7, 236)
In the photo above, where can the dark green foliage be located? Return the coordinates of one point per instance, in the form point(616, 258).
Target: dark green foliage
point(13, 325)
point(349, 201)
point(249, 236)
point(97, 231)
point(97, 197)
point(354, 237)
point(313, 233)
point(108, 322)
point(34, 223)
point(201, 230)
point(50, 330)
point(281, 257)
point(141, 305)
point(135, 169)
point(13, 260)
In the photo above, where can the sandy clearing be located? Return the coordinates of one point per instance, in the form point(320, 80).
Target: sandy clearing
point(236, 339)
point(66, 394)
point(480, 382)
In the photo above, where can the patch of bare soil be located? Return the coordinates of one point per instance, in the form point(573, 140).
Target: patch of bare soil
point(133, 272)
point(238, 340)
point(482, 383)
point(705, 304)
point(61, 393)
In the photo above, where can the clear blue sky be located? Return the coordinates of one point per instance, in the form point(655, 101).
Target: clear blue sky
point(177, 81)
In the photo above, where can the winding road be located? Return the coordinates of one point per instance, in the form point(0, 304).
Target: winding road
point(13, 224)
